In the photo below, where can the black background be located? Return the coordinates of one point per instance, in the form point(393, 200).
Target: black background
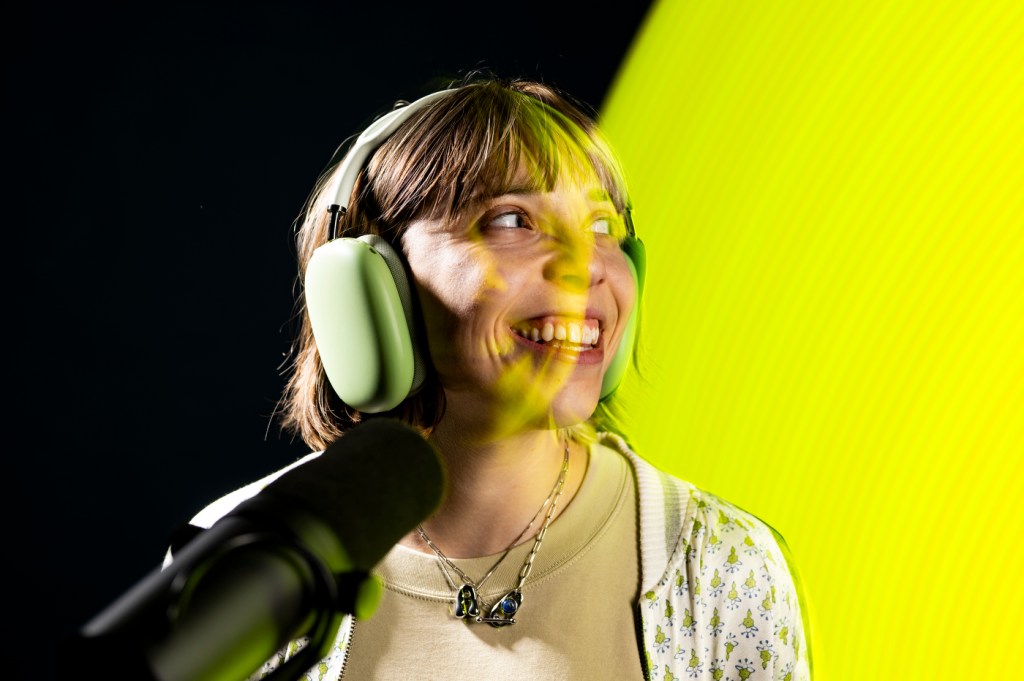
point(156, 157)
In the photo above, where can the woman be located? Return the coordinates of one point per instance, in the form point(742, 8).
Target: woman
point(558, 553)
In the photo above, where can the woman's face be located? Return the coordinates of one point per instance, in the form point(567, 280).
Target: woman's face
point(525, 299)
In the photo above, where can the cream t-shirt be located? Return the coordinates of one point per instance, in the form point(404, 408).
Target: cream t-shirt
point(577, 620)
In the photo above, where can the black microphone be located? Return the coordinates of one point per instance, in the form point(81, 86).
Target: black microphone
point(287, 563)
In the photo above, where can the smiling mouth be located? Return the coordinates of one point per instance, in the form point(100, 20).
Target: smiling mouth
point(579, 335)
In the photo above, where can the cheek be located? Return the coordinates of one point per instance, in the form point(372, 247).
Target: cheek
point(455, 295)
point(449, 287)
point(444, 310)
point(621, 280)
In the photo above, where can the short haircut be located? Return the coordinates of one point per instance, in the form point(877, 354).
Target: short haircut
point(466, 144)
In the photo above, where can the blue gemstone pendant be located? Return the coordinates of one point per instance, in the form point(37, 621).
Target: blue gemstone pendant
point(505, 609)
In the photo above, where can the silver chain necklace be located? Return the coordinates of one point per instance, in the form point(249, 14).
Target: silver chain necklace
point(467, 603)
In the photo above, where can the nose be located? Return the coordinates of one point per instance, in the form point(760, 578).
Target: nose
point(575, 265)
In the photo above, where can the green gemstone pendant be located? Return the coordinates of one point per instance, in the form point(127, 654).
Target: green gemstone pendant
point(466, 602)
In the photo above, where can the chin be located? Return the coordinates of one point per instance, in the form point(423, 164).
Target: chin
point(567, 412)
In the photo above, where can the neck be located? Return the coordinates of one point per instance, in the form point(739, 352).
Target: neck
point(496, 487)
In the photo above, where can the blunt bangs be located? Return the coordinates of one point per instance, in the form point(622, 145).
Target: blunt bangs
point(480, 142)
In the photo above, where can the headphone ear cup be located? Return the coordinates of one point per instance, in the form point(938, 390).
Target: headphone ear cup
point(636, 258)
point(396, 265)
point(361, 324)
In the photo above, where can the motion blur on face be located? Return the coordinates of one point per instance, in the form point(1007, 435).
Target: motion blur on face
point(525, 296)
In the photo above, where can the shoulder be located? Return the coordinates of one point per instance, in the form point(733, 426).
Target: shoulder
point(666, 510)
point(713, 571)
point(736, 572)
point(220, 507)
point(680, 521)
point(215, 510)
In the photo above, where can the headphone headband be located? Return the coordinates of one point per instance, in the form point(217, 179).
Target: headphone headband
point(367, 142)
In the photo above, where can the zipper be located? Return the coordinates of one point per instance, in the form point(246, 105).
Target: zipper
point(348, 647)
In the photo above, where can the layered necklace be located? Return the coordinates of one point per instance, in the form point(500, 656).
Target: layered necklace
point(466, 603)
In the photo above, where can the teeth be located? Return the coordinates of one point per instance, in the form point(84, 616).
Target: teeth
point(575, 333)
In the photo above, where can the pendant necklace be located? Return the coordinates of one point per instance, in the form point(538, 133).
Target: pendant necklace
point(467, 603)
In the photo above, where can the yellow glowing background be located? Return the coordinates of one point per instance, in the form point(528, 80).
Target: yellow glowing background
point(831, 198)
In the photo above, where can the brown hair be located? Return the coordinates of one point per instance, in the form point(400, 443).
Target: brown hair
point(466, 143)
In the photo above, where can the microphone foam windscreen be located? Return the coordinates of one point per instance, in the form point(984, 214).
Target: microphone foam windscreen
point(372, 486)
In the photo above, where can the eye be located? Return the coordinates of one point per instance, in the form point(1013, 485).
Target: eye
point(601, 226)
point(509, 220)
point(609, 226)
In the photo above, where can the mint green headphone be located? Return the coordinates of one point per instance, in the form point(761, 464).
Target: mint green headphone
point(360, 302)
